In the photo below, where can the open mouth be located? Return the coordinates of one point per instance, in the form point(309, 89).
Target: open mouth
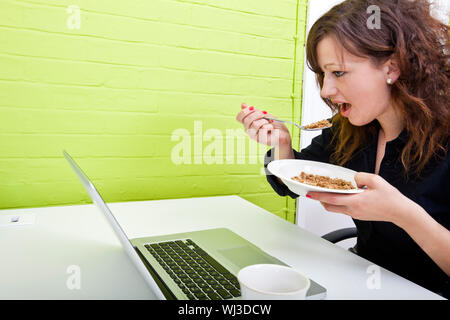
point(344, 108)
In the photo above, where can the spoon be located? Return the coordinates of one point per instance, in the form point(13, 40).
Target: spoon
point(297, 125)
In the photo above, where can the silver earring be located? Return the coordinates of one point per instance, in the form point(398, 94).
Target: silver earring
point(389, 81)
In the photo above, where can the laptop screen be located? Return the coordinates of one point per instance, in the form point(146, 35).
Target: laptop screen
point(98, 201)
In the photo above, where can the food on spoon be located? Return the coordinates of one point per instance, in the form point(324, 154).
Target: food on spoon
point(319, 124)
point(323, 181)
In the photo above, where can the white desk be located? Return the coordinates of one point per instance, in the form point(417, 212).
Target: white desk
point(35, 258)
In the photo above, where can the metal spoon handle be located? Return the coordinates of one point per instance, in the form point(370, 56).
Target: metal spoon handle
point(284, 121)
point(297, 125)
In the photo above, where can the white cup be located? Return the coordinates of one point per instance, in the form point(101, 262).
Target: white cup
point(272, 282)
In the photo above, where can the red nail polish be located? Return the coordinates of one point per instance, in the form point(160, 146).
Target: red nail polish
point(265, 112)
point(252, 108)
point(308, 196)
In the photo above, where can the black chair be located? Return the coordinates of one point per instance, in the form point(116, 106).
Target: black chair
point(342, 234)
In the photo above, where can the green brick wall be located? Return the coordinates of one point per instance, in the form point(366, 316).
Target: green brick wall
point(138, 78)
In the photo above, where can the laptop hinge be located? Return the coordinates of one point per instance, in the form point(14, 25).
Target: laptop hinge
point(162, 286)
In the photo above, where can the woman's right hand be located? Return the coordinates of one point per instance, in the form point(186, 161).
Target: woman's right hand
point(270, 133)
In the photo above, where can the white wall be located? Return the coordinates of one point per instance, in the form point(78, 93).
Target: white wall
point(310, 213)
point(440, 9)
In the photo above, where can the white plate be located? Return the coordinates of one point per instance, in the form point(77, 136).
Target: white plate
point(288, 168)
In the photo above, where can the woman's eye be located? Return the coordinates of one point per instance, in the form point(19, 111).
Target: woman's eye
point(338, 73)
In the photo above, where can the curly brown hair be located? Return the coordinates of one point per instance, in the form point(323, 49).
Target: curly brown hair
point(419, 44)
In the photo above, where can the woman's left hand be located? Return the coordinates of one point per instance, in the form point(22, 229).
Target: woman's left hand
point(379, 202)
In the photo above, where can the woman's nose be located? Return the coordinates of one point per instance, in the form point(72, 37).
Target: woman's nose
point(328, 88)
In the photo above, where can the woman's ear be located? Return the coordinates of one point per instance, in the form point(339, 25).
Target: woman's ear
point(392, 70)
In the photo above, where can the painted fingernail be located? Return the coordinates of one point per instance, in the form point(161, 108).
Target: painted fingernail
point(265, 112)
point(252, 108)
point(308, 196)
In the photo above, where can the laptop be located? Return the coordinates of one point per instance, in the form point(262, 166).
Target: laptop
point(198, 265)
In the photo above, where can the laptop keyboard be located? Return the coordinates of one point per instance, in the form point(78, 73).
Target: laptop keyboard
point(197, 274)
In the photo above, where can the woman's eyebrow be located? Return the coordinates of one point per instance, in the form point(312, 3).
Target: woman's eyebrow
point(335, 64)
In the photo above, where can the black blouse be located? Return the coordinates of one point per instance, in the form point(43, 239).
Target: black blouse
point(383, 242)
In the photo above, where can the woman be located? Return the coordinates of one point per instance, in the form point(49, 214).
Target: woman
point(389, 88)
